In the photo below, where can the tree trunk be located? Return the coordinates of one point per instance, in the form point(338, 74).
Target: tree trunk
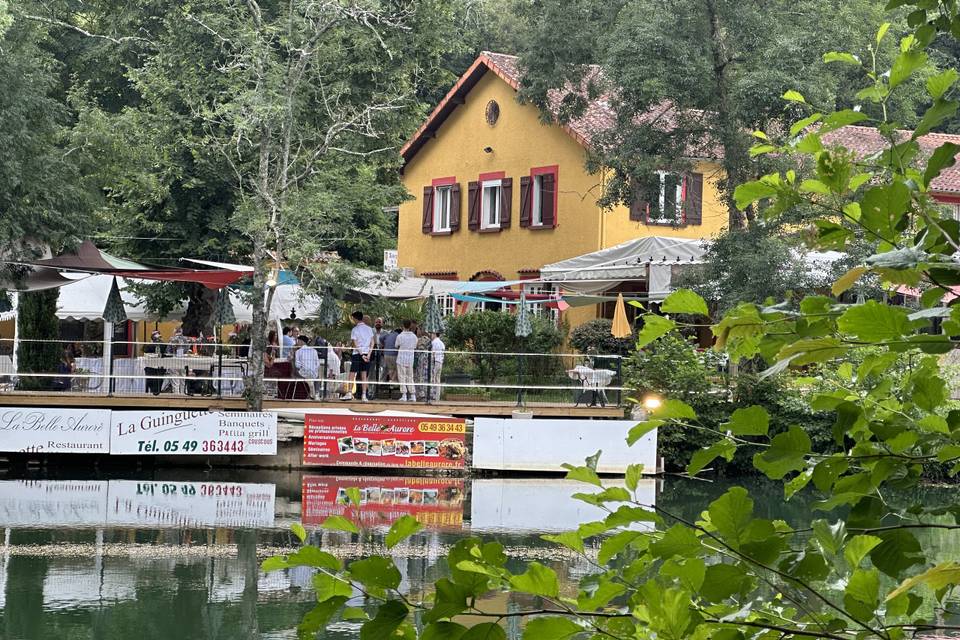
point(731, 139)
point(201, 307)
point(258, 329)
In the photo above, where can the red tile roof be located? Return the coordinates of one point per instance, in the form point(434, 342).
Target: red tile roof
point(866, 141)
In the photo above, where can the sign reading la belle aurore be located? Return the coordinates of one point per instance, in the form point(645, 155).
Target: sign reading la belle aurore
point(201, 433)
point(54, 430)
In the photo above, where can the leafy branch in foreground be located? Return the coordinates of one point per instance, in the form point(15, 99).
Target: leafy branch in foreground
point(866, 566)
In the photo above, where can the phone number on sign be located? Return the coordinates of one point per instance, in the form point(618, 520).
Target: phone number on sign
point(192, 446)
point(442, 427)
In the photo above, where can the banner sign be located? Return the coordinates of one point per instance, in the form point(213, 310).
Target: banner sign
point(171, 433)
point(190, 504)
point(384, 440)
point(437, 503)
point(54, 430)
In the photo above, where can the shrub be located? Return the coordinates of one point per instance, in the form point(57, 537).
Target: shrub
point(595, 337)
point(40, 350)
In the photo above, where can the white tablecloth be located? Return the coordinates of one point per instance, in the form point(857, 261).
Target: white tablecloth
point(199, 365)
point(92, 367)
point(591, 378)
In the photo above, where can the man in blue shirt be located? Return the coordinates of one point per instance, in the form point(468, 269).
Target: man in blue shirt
point(286, 343)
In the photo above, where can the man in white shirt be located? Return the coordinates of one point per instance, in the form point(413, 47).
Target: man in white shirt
point(307, 363)
point(437, 349)
point(361, 337)
point(406, 344)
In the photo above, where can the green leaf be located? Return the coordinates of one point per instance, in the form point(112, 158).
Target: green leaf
point(793, 96)
point(731, 514)
point(628, 515)
point(569, 539)
point(847, 280)
point(814, 186)
point(678, 540)
point(685, 301)
point(858, 547)
point(830, 536)
point(862, 594)
point(942, 158)
point(450, 599)
point(642, 429)
point(874, 322)
point(899, 551)
point(883, 207)
point(938, 577)
point(940, 111)
point(328, 586)
point(672, 409)
point(811, 350)
point(654, 328)
point(538, 580)
point(610, 494)
point(390, 616)
point(318, 617)
point(724, 447)
point(842, 118)
point(485, 631)
point(882, 31)
point(401, 529)
point(353, 496)
point(582, 474)
point(601, 596)
point(633, 476)
point(787, 452)
point(299, 531)
point(905, 64)
point(748, 421)
point(551, 628)
point(310, 556)
point(722, 581)
point(339, 523)
point(376, 571)
point(354, 613)
point(938, 84)
point(689, 572)
point(749, 192)
point(613, 545)
point(443, 631)
point(838, 56)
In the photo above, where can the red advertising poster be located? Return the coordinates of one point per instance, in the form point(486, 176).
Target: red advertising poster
point(437, 503)
point(346, 439)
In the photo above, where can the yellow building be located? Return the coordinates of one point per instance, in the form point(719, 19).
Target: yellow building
point(498, 194)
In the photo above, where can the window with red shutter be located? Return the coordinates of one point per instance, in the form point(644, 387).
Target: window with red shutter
point(524, 201)
point(428, 209)
point(473, 206)
point(693, 206)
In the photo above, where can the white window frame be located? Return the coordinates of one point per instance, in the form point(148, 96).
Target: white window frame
point(442, 194)
point(485, 222)
point(447, 304)
point(663, 199)
point(536, 211)
point(540, 308)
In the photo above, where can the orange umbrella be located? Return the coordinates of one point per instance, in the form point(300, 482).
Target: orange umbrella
point(621, 326)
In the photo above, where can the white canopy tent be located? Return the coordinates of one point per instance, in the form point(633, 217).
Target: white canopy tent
point(648, 259)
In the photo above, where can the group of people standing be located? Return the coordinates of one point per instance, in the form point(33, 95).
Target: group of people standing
point(378, 359)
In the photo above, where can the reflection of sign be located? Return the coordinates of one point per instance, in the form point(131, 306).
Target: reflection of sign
point(54, 430)
point(435, 502)
point(389, 259)
point(384, 440)
point(99, 503)
point(193, 433)
point(58, 503)
point(190, 504)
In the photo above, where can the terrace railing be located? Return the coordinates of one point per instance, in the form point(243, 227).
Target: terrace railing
point(220, 370)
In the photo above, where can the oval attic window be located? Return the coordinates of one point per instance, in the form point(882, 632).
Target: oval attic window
point(492, 112)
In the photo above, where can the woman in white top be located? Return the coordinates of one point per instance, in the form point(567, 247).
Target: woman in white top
point(406, 345)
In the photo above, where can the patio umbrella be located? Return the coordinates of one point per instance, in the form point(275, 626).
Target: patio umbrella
point(113, 310)
point(329, 312)
point(523, 326)
point(432, 318)
point(621, 326)
point(224, 312)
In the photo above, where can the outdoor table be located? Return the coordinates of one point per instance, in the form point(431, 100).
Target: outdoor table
point(594, 381)
point(287, 390)
point(175, 371)
point(93, 367)
point(126, 372)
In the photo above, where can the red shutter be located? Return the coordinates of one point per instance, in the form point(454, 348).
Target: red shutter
point(455, 207)
point(694, 202)
point(428, 209)
point(548, 199)
point(526, 201)
point(473, 206)
point(506, 202)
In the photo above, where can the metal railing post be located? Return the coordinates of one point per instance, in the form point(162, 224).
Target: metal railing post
point(219, 370)
point(619, 381)
point(323, 372)
point(519, 380)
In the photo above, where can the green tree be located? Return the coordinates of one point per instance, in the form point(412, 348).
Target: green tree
point(39, 350)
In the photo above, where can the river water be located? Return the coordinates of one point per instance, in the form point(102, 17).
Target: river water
point(175, 554)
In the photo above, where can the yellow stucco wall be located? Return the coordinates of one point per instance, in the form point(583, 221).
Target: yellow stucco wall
point(519, 142)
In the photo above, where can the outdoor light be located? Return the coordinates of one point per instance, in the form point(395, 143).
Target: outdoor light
point(293, 313)
point(488, 149)
point(652, 403)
